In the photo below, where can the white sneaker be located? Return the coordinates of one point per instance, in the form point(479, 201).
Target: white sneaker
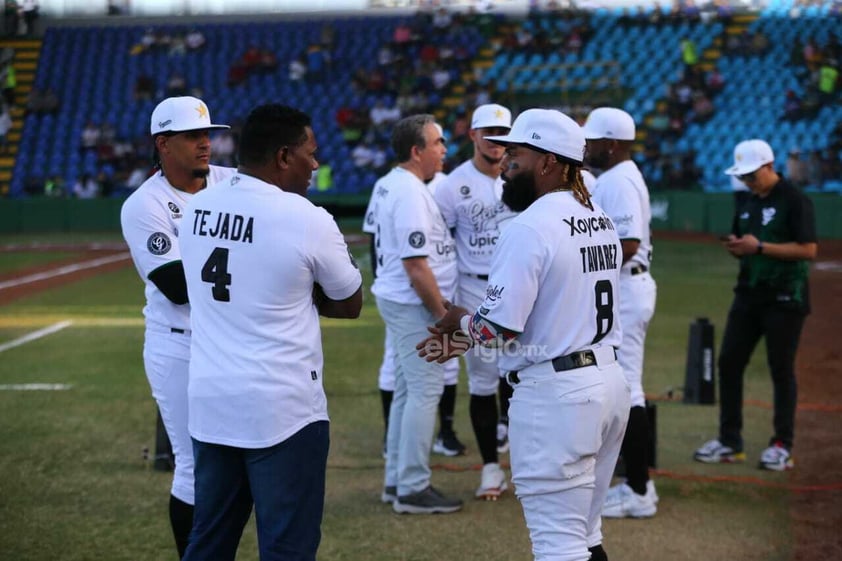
point(776, 458)
point(650, 490)
point(622, 502)
point(714, 452)
point(493, 482)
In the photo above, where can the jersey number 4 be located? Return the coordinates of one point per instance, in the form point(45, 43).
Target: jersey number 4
point(215, 271)
point(604, 293)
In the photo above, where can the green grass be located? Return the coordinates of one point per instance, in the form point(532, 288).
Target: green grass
point(74, 485)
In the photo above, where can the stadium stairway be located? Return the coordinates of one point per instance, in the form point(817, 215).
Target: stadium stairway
point(483, 60)
point(25, 62)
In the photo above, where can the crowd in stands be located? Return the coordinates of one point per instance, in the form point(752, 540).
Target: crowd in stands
point(416, 71)
point(818, 69)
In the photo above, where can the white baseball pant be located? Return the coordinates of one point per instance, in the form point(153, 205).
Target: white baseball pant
point(166, 358)
point(565, 430)
point(637, 306)
point(480, 362)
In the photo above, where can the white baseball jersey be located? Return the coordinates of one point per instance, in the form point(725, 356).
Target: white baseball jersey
point(252, 254)
point(151, 218)
point(409, 224)
point(470, 202)
point(622, 193)
point(555, 280)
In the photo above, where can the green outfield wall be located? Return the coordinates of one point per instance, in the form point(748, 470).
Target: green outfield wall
point(671, 211)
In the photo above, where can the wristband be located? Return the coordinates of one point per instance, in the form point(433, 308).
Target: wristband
point(759, 248)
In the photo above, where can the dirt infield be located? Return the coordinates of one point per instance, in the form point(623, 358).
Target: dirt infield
point(817, 514)
point(60, 272)
point(816, 501)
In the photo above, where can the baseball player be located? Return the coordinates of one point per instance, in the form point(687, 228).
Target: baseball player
point(469, 199)
point(550, 311)
point(774, 236)
point(622, 193)
point(446, 443)
point(150, 219)
point(416, 272)
point(262, 263)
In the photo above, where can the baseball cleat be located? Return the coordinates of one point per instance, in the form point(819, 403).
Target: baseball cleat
point(493, 483)
point(776, 458)
point(714, 452)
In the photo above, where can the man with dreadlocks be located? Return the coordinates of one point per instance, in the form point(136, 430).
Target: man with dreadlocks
point(550, 311)
point(151, 218)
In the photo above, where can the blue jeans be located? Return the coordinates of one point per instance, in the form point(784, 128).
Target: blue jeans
point(286, 485)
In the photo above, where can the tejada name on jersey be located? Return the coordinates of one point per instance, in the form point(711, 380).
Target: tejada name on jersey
point(599, 257)
point(226, 226)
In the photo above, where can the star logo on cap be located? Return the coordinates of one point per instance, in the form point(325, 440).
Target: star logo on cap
point(203, 111)
point(739, 157)
point(498, 113)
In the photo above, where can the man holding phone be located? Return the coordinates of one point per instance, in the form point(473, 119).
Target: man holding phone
point(774, 237)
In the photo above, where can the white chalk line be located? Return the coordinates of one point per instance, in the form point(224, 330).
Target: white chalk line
point(49, 330)
point(65, 270)
point(34, 387)
point(26, 339)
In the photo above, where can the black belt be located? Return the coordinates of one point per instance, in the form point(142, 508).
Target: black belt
point(637, 269)
point(177, 330)
point(480, 277)
point(579, 359)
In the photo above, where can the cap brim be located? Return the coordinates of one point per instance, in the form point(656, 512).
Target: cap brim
point(505, 139)
point(490, 126)
point(742, 170)
point(209, 127)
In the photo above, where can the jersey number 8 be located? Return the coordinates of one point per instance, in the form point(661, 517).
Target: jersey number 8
point(604, 293)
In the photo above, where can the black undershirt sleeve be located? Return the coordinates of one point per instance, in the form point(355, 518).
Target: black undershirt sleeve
point(373, 254)
point(170, 281)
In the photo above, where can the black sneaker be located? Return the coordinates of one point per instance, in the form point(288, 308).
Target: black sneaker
point(428, 501)
point(448, 445)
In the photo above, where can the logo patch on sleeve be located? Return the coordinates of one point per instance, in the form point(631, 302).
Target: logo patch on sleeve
point(158, 243)
point(417, 239)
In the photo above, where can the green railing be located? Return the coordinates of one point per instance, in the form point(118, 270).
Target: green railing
point(671, 211)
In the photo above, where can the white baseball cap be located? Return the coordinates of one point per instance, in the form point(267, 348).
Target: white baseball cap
point(491, 115)
point(180, 114)
point(546, 129)
point(749, 156)
point(609, 122)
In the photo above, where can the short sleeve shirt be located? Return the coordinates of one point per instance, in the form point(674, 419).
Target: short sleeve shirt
point(409, 224)
point(252, 254)
point(622, 193)
point(470, 204)
point(151, 218)
point(555, 280)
